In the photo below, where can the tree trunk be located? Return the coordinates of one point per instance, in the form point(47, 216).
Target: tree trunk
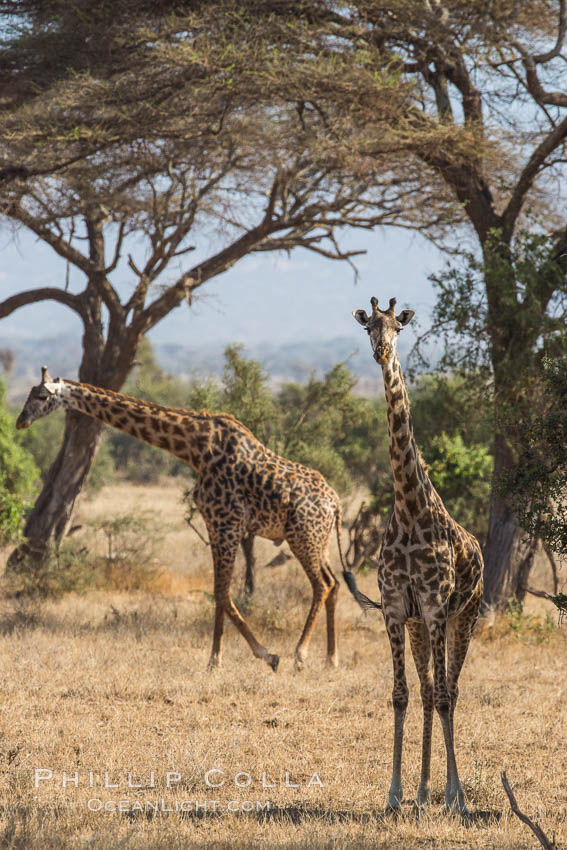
point(508, 551)
point(250, 577)
point(53, 510)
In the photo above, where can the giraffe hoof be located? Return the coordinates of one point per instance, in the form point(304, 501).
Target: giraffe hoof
point(298, 665)
point(273, 661)
point(214, 664)
point(392, 811)
point(459, 811)
point(420, 808)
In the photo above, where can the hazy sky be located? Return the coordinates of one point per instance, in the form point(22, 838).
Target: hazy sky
point(263, 298)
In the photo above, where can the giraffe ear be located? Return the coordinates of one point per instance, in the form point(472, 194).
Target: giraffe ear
point(405, 316)
point(361, 317)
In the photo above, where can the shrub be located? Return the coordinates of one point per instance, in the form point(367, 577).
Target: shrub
point(127, 562)
point(18, 475)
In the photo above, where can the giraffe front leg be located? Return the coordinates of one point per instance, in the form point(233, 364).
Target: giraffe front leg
point(216, 652)
point(421, 651)
point(224, 553)
point(396, 635)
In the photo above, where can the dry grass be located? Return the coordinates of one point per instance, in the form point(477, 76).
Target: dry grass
point(116, 682)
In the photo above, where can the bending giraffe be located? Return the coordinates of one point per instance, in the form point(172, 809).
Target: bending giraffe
point(242, 487)
point(429, 575)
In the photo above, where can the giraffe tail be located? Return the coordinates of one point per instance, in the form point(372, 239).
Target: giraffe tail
point(348, 575)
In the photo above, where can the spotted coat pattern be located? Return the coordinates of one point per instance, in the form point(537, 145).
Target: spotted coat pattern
point(429, 575)
point(242, 487)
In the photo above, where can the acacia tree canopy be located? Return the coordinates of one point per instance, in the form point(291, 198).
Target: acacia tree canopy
point(187, 160)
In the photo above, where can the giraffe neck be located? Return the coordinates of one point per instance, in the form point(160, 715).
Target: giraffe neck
point(183, 433)
point(412, 487)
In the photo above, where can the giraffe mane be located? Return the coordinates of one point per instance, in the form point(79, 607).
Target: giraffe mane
point(206, 414)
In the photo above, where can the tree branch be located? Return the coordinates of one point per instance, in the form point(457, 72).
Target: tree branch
point(535, 88)
point(195, 277)
point(541, 58)
point(117, 248)
point(529, 173)
point(17, 212)
point(535, 828)
point(31, 296)
point(211, 267)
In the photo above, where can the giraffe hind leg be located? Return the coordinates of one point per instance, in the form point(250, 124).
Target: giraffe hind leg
point(331, 606)
point(311, 563)
point(454, 795)
point(459, 632)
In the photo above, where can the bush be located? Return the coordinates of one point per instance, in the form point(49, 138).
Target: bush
point(462, 475)
point(18, 475)
point(130, 544)
point(66, 570)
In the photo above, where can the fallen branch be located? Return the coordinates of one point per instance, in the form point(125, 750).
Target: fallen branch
point(535, 828)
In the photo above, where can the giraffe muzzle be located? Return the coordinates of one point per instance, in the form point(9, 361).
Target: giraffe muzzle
point(22, 422)
point(382, 354)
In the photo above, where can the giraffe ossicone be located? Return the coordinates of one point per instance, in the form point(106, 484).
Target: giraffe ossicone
point(242, 487)
point(429, 575)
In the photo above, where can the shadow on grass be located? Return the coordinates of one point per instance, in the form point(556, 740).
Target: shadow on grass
point(298, 813)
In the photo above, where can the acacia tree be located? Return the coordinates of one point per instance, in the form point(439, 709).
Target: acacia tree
point(485, 129)
point(79, 77)
point(214, 162)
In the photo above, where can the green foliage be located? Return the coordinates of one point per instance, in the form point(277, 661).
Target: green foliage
point(18, 475)
point(317, 420)
point(527, 628)
point(529, 287)
point(247, 395)
point(538, 484)
point(365, 447)
point(462, 475)
point(321, 424)
point(443, 402)
point(43, 441)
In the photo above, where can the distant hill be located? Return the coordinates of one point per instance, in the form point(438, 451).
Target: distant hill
point(289, 362)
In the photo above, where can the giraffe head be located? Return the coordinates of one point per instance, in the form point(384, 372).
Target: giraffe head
point(383, 327)
point(42, 400)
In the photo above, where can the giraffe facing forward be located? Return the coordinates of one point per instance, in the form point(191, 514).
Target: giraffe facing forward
point(242, 487)
point(429, 575)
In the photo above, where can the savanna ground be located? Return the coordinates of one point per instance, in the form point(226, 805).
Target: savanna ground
point(114, 681)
